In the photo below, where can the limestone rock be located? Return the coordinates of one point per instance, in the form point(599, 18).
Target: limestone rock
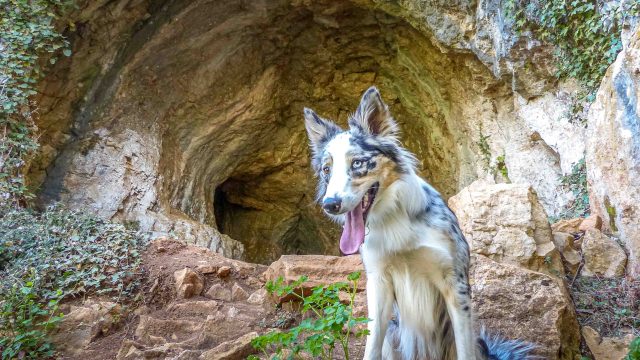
point(238, 293)
point(85, 323)
point(258, 297)
point(320, 270)
point(591, 222)
point(565, 244)
point(237, 349)
point(567, 225)
point(219, 292)
point(519, 303)
point(207, 269)
point(188, 283)
point(603, 256)
point(606, 348)
point(613, 163)
point(224, 271)
point(507, 223)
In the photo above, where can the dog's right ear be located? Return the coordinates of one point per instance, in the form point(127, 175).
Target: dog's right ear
point(319, 130)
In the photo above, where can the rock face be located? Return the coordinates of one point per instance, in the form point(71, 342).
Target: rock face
point(506, 223)
point(603, 256)
point(613, 149)
point(187, 119)
point(520, 303)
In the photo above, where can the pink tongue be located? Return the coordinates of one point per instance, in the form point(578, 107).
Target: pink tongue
point(353, 232)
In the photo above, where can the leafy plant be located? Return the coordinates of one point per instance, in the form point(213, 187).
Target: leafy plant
point(69, 251)
point(331, 323)
point(28, 35)
point(25, 321)
point(500, 166)
point(586, 33)
point(576, 182)
point(634, 350)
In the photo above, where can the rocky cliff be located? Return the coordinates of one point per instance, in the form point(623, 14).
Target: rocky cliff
point(183, 117)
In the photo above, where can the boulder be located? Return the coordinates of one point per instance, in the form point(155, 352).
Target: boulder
point(506, 223)
point(85, 323)
point(606, 348)
point(613, 149)
point(519, 303)
point(318, 268)
point(564, 242)
point(238, 293)
point(603, 256)
point(188, 283)
point(224, 271)
point(567, 225)
point(219, 292)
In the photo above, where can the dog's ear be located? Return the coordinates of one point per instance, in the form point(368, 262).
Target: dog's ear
point(319, 130)
point(373, 116)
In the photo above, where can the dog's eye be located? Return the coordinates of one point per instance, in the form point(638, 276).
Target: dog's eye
point(356, 164)
point(326, 170)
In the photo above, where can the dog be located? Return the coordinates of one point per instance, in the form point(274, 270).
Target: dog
point(414, 253)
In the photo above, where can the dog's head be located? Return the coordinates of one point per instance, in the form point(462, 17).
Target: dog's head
point(356, 165)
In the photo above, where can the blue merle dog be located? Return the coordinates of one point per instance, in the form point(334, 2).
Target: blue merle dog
point(415, 256)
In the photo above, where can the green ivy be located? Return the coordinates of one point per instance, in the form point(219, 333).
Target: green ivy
point(331, 324)
point(576, 182)
point(28, 37)
point(25, 322)
point(68, 251)
point(586, 33)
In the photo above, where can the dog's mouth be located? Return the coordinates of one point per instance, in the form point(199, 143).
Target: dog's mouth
point(355, 220)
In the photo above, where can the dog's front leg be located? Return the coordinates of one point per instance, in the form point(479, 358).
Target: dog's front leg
point(380, 304)
point(458, 303)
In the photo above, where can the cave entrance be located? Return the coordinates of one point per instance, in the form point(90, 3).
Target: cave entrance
point(324, 60)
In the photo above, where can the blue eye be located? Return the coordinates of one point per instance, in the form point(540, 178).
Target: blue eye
point(356, 163)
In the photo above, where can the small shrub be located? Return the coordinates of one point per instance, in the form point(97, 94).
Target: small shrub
point(331, 324)
point(25, 321)
point(634, 350)
point(69, 251)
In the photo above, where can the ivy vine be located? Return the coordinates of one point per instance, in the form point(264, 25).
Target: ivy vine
point(28, 39)
point(586, 33)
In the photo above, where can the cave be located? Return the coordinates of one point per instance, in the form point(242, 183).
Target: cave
point(195, 117)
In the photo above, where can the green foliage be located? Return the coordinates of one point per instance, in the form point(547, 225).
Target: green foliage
point(576, 182)
point(586, 33)
point(500, 166)
point(634, 350)
point(28, 34)
point(25, 321)
point(331, 324)
point(68, 251)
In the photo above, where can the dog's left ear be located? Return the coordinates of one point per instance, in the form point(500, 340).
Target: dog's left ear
point(319, 130)
point(373, 116)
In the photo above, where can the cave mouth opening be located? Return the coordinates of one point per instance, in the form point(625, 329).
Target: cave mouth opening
point(266, 199)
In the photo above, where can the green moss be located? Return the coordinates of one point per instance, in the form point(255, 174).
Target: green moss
point(611, 211)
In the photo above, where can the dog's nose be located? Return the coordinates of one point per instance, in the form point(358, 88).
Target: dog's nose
point(332, 205)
